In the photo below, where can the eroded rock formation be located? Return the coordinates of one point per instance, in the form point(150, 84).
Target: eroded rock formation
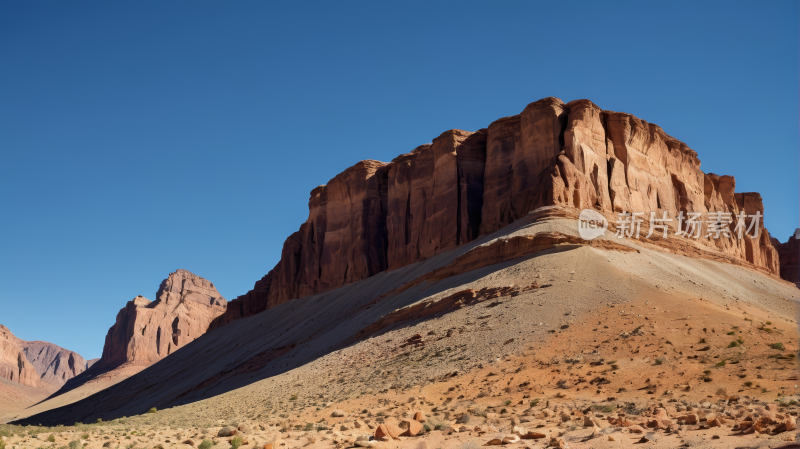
point(14, 366)
point(38, 364)
point(146, 332)
point(789, 254)
point(54, 364)
point(376, 216)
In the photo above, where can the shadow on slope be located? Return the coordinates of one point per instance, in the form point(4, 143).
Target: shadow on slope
point(280, 339)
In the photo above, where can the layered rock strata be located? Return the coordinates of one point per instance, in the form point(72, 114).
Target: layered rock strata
point(146, 332)
point(376, 216)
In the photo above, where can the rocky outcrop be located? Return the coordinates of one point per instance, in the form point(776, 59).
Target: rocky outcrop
point(14, 366)
point(789, 254)
point(376, 216)
point(146, 332)
point(38, 364)
point(54, 364)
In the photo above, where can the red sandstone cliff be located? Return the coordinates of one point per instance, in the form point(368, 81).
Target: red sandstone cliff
point(376, 216)
point(14, 366)
point(789, 254)
point(146, 332)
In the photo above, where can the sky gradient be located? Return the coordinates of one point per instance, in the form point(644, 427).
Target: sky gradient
point(142, 137)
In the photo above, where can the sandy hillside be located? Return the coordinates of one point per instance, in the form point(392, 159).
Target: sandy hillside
point(579, 344)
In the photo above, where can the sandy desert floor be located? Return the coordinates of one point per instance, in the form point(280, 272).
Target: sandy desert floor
point(574, 347)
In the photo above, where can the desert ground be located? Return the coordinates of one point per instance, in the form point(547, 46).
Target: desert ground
point(572, 346)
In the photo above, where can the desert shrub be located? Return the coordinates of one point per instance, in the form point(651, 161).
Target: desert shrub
point(733, 344)
point(293, 398)
point(206, 444)
point(75, 444)
point(722, 363)
point(51, 438)
point(152, 410)
point(535, 402)
point(660, 361)
point(236, 441)
point(2, 444)
point(748, 384)
point(778, 346)
point(604, 408)
point(107, 444)
point(507, 403)
point(85, 436)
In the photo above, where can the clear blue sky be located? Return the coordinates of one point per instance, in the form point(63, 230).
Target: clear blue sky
point(141, 137)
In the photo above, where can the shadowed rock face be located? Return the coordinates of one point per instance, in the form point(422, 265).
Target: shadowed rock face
point(54, 364)
point(146, 332)
point(376, 216)
point(789, 254)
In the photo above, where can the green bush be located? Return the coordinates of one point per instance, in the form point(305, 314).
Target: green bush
point(85, 436)
point(778, 346)
point(236, 441)
point(51, 438)
point(206, 444)
point(75, 444)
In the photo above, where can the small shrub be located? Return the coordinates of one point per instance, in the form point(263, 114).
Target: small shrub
point(206, 444)
point(722, 363)
point(99, 420)
point(293, 398)
point(236, 441)
point(535, 402)
point(731, 333)
point(734, 344)
point(107, 444)
point(51, 438)
point(75, 444)
point(660, 361)
point(152, 410)
point(748, 384)
point(85, 436)
point(507, 403)
point(778, 346)
point(769, 322)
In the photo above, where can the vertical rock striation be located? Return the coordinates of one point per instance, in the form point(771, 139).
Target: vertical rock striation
point(789, 254)
point(376, 216)
point(146, 332)
point(54, 364)
point(14, 366)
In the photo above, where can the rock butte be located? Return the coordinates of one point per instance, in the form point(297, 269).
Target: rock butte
point(146, 332)
point(376, 216)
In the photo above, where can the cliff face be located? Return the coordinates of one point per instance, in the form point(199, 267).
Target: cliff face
point(789, 254)
point(38, 364)
point(376, 216)
point(54, 364)
point(14, 366)
point(146, 332)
